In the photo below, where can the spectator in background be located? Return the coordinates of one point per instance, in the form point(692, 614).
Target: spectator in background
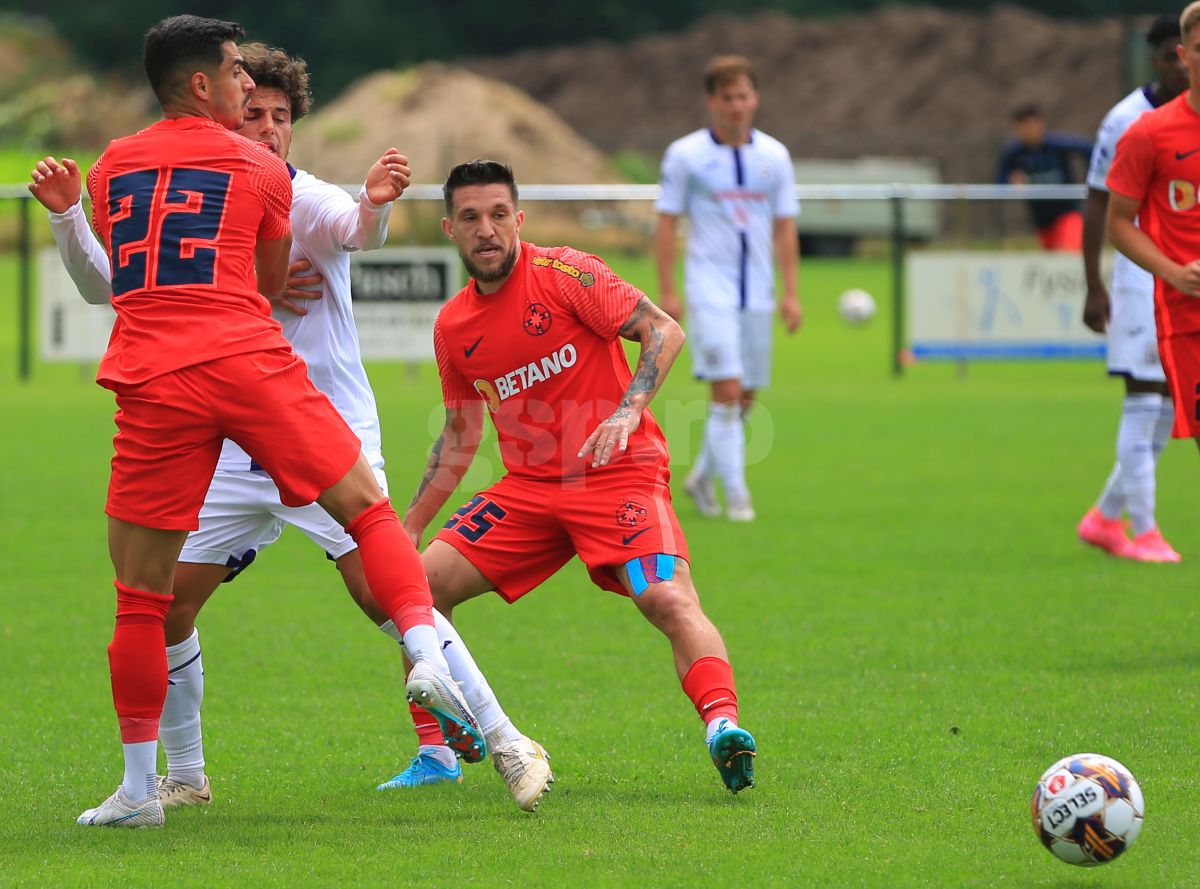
point(1038, 157)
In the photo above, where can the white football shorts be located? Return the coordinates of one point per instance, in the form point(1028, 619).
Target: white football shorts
point(729, 343)
point(1132, 339)
point(242, 513)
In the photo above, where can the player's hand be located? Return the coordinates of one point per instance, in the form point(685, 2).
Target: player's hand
point(388, 177)
point(1187, 279)
point(1097, 308)
point(301, 278)
point(57, 186)
point(792, 313)
point(611, 438)
point(414, 534)
point(669, 302)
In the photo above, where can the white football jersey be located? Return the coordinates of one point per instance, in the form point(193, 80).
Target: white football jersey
point(327, 225)
point(732, 197)
point(1126, 273)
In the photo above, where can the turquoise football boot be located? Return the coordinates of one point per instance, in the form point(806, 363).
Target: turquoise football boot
point(733, 751)
point(424, 770)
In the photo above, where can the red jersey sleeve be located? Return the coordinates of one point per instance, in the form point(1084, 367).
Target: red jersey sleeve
point(602, 300)
point(1133, 167)
point(269, 177)
point(456, 389)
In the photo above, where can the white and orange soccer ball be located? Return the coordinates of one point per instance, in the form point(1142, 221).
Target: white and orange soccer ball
point(1087, 809)
point(856, 306)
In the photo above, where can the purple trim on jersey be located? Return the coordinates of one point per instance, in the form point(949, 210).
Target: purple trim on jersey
point(743, 297)
point(291, 170)
point(1148, 94)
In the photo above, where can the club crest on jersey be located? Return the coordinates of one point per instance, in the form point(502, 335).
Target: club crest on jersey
point(630, 514)
point(585, 279)
point(526, 376)
point(537, 319)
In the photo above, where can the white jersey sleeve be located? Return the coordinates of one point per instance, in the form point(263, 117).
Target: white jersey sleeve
point(1114, 125)
point(82, 254)
point(784, 202)
point(331, 217)
point(673, 182)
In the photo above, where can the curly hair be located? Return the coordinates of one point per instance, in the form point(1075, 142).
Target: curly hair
point(272, 67)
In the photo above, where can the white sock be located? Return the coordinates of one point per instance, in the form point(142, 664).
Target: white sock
point(179, 729)
point(140, 759)
point(421, 643)
point(439, 752)
point(703, 467)
point(726, 436)
point(1112, 499)
point(497, 728)
point(1162, 429)
point(716, 725)
point(1135, 453)
point(495, 724)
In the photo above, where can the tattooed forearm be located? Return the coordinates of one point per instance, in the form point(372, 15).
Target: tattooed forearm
point(646, 378)
point(431, 468)
point(631, 329)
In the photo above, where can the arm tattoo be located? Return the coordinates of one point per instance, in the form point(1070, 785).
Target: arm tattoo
point(640, 326)
point(431, 468)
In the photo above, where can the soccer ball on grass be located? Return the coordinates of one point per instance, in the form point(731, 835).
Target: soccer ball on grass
point(1087, 809)
point(856, 306)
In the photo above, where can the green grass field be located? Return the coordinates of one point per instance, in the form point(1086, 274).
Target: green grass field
point(916, 631)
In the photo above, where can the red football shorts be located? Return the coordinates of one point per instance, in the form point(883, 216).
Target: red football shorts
point(519, 532)
point(170, 429)
point(1065, 233)
point(1180, 357)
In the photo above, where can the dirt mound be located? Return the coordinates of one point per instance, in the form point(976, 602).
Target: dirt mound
point(897, 82)
point(439, 116)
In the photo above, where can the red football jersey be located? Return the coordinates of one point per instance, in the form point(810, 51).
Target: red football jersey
point(543, 352)
point(1158, 164)
point(180, 206)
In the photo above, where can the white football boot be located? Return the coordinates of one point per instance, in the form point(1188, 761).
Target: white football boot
point(703, 492)
point(174, 793)
point(119, 811)
point(524, 765)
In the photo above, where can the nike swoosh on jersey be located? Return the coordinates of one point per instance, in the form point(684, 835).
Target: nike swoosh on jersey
point(625, 541)
point(468, 351)
point(1180, 155)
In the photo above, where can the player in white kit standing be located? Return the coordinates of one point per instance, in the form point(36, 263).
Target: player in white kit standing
point(737, 187)
point(1128, 319)
point(242, 512)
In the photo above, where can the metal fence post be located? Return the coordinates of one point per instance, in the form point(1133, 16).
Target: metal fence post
point(25, 294)
point(898, 296)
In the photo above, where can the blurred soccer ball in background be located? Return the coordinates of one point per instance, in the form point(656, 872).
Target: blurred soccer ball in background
point(1087, 809)
point(856, 306)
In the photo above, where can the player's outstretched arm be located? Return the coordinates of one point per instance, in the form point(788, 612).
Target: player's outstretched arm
point(58, 187)
point(448, 461)
point(661, 339)
point(1096, 306)
point(787, 254)
point(361, 224)
point(1125, 235)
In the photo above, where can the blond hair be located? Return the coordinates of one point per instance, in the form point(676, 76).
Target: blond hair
point(724, 70)
point(1189, 18)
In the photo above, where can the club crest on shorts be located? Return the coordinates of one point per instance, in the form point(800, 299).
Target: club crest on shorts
point(537, 319)
point(630, 514)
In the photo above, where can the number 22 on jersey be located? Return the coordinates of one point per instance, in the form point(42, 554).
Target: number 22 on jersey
point(170, 251)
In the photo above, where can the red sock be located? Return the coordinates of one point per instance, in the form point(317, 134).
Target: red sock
point(137, 663)
point(429, 733)
point(709, 684)
point(393, 568)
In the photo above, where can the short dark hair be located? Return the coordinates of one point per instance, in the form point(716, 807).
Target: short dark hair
point(1164, 27)
point(177, 45)
point(273, 68)
point(1026, 111)
point(724, 70)
point(478, 172)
